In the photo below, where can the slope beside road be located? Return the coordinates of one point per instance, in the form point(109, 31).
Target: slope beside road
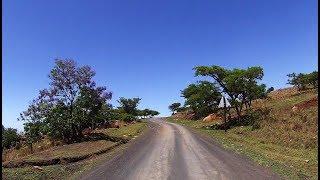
point(170, 151)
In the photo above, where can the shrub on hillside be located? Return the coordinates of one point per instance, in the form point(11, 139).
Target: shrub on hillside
point(252, 117)
point(10, 138)
point(255, 117)
point(127, 117)
point(270, 90)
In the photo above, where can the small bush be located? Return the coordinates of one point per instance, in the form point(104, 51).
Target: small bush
point(255, 117)
point(127, 117)
point(270, 90)
point(10, 138)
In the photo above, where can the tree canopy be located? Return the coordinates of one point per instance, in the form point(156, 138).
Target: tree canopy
point(147, 113)
point(236, 83)
point(129, 106)
point(174, 107)
point(303, 81)
point(72, 103)
point(10, 137)
point(202, 97)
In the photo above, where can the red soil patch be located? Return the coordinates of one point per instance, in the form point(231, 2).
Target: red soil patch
point(307, 104)
point(183, 115)
point(212, 117)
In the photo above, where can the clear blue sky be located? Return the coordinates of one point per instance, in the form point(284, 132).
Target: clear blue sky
point(148, 48)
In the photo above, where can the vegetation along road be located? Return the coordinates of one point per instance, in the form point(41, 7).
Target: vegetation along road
point(170, 151)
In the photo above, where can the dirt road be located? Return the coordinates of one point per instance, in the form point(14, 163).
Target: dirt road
point(170, 151)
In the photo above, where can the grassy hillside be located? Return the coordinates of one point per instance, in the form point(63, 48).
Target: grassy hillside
point(286, 140)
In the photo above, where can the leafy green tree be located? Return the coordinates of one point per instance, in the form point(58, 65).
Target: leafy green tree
point(235, 83)
point(107, 113)
point(297, 80)
point(10, 137)
point(270, 89)
point(71, 103)
point(89, 105)
point(181, 109)
point(174, 107)
point(202, 98)
point(153, 113)
point(313, 79)
point(33, 132)
point(147, 113)
point(115, 114)
point(127, 117)
point(303, 81)
point(144, 113)
point(255, 92)
point(129, 106)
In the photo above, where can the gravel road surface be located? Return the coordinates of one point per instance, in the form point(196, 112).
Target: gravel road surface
point(171, 151)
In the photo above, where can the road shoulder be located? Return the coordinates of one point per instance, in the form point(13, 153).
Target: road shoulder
point(128, 151)
point(251, 151)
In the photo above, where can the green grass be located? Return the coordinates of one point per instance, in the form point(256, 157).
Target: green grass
point(15, 154)
point(74, 170)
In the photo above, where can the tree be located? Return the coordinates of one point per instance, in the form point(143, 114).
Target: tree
point(303, 81)
point(147, 113)
point(129, 106)
point(298, 81)
point(150, 113)
point(107, 113)
point(181, 109)
point(144, 113)
point(174, 107)
point(153, 113)
point(10, 137)
point(202, 98)
point(89, 106)
point(33, 132)
point(313, 79)
point(270, 90)
point(127, 117)
point(235, 83)
point(255, 92)
point(70, 104)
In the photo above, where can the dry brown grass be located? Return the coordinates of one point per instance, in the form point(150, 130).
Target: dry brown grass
point(125, 131)
point(284, 126)
point(71, 150)
point(24, 150)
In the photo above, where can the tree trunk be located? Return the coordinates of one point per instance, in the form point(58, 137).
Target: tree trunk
point(238, 111)
point(30, 147)
point(241, 105)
